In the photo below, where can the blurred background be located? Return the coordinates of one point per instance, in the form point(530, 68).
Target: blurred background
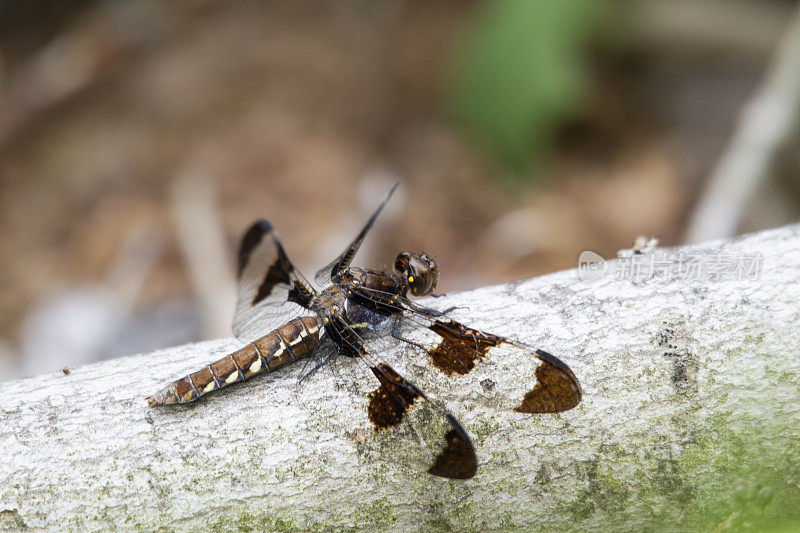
point(138, 140)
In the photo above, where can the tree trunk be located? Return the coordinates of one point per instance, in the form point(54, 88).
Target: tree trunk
point(690, 419)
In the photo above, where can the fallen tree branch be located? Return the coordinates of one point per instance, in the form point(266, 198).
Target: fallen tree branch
point(690, 419)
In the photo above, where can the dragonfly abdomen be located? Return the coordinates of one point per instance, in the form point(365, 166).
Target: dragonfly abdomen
point(286, 344)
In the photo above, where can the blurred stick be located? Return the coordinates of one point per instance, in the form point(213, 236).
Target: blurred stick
point(764, 126)
point(202, 240)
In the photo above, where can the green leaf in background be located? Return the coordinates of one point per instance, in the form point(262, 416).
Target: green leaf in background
point(522, 72)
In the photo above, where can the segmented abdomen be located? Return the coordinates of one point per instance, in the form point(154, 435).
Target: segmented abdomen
point(290, 342)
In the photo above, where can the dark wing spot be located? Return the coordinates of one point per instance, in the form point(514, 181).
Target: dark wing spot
point(389, 402)
point(557, 389)
point(276, 275)
point(250, 241)
point(300, 295)
point(460, 347)
point(457, 460)
point(279, 272)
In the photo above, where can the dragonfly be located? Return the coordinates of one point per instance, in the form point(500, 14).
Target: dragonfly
point(332, 323)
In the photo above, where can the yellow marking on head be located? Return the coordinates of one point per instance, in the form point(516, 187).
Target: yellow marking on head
point(209, 387)
point(411, 279)
point(233, 377)
point(327, 320)
point(255, 367)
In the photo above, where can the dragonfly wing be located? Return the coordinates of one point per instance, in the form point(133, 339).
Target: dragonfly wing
point(270, 289)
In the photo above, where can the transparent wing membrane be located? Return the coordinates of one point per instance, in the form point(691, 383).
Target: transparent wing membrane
point(326, 274)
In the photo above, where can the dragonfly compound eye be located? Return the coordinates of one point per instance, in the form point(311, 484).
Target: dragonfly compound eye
point(420, 272)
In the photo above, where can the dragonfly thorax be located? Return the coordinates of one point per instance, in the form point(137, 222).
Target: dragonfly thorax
point(330, 302)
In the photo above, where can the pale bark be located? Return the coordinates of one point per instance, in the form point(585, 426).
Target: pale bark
point(690, 420)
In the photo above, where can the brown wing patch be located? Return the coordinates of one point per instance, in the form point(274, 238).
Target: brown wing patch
point(454, 456)
point(457, 460)
point(279, 272)
point(276, 275)
point(460, 347)
point(557, 389)
point(250, 241)
point(389, 402)
point(300, 294)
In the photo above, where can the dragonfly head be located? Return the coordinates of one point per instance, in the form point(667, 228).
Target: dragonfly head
point(418, 270)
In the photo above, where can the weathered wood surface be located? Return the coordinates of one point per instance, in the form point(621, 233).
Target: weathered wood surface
point(690, 420)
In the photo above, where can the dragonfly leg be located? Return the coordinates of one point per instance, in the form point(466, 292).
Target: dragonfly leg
point(396, 334)
point(319, 364)
point(433, 312)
